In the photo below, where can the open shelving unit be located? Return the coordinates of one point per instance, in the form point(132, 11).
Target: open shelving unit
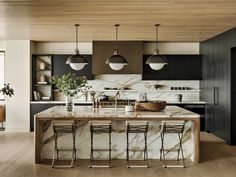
point(39, 89)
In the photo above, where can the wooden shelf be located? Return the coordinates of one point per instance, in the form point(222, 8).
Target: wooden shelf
point(42, 70)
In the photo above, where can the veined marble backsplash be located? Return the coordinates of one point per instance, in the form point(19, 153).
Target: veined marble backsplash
point(137, 86)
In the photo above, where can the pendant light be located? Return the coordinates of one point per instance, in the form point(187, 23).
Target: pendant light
point(77, 61)
point(116, 61)
point(156, 61)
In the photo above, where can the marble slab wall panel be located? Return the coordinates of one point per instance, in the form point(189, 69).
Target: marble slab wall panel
point(136, 86)
point(118, 142)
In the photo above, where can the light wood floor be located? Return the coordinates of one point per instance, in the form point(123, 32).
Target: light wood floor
point(17, 160)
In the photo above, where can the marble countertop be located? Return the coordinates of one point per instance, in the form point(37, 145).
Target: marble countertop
point(90, 113)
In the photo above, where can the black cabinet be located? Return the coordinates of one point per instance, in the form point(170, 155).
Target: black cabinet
point(196, 108)
point(60, 67)
point(218, 84)
point(36, 108)
point(179, 67)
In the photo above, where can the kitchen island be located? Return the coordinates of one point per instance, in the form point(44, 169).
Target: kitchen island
point(83, 114)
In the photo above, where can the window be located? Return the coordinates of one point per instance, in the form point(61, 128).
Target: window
point(1, 73)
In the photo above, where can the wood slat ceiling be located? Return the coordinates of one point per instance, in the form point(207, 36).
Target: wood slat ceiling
point(53, 20)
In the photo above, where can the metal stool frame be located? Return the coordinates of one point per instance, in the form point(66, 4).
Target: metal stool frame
point(137, 128)
point(173, 127)
point(98, 128)
point(59, 128)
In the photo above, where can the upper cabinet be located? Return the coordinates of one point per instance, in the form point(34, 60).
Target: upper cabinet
point(179, 67)
point(131, 50)
point(60, 67)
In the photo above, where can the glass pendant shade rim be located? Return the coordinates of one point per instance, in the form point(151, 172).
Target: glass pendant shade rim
point(117, 59)
point(157, 59)
point(77, 58)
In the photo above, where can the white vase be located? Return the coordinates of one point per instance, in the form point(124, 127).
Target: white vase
point(42, 66)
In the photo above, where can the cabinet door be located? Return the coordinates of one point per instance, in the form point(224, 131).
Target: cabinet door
point(179, 67)
point(60, 67)
point(222, 83)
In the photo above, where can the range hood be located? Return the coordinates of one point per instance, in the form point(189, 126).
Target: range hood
point(131, 50)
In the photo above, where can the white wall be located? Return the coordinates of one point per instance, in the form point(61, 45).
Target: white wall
point(86, 48)
point(17, 73)
point(61, 48)
point(172, 48)
point(2, 48)
point(2, 45)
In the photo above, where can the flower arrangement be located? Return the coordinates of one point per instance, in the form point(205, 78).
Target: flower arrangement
point(70, 85)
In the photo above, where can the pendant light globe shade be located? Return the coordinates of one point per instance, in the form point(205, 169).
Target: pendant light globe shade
point(116, 61)
point(77, 61)
point(156, 61)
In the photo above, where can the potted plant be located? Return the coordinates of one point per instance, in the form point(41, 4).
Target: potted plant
point(70, 85)
point(7, 90)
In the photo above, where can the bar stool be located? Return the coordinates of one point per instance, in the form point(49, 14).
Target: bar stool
point(99, 127)
point(172, 127)
point(61, 128)
point(137, 127)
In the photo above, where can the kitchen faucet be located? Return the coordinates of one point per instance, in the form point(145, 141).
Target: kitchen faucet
point(117, 94)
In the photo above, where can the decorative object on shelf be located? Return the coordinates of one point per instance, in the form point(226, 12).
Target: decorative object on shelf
point(77, 61)
point(7, 90)
point(117, 61)
point(70, 85)
point(179, 97)
point(46, 98)
point(158, 105)
point(142, 96)
point(157, 61)
point(42, 66)
point(42, 79)
point(158, 86)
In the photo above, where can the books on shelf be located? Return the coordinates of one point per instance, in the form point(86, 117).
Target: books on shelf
point(38, 96)
point(46, 98)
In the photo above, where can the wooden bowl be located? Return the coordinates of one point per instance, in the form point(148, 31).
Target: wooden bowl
point(150, 105)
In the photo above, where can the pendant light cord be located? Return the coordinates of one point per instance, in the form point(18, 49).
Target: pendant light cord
point(117, 44)
point(76, 40)
point(156, 50)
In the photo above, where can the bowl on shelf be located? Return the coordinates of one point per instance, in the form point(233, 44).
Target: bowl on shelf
point(158, 105)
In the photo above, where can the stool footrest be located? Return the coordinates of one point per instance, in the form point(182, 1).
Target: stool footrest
point(65, 149)
point(99, 166)
point(137, 166)
point(170, 150)
point(62, 166)
point(101, 149)
point(173, 166)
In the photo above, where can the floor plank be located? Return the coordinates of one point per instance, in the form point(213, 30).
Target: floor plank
point(17, 160)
